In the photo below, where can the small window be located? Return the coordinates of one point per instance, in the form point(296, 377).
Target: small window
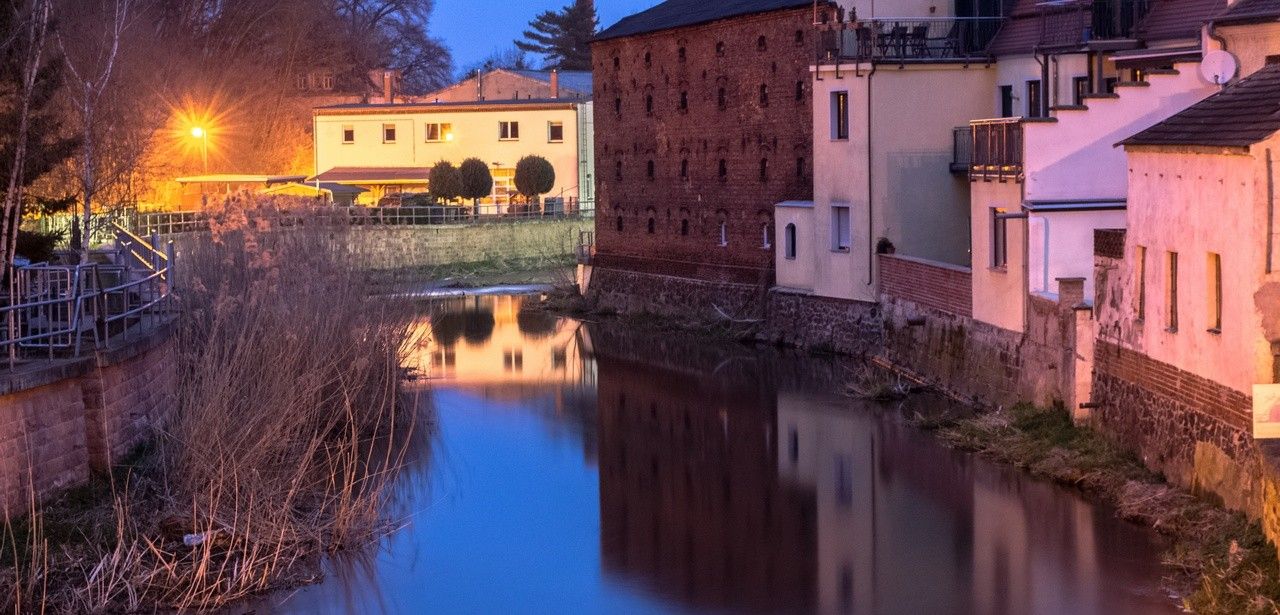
point(800, 168)
point(648, 59)
point(840, 230)
point(619, 224)
point(555, 132)
point(617, 106)
point(840, 115)
point(764, 95)
point(1035, 99)
point(348, 133)
point(1214, 280)
point(1171, 291)
point(799, 37)
point(684, 101)
point(1079, 89)
point(684, 169)
point(388, 133)
point(653, 226)
point(724, 233)
point(617, 171)
point(724, 169)
point(684, 227)
point(789, 241)
point(648, 104)
point(799, 91)
point(436, 133)
point(616, 63)
point(762, 44)
point(721, 99)
point(766, 236)
point(764, 169)
point(1109, 85)
point(649, 170)
point(999, 239)
point(1140, 260)
point(720, 48)
point(508, 131)
point(680, 54)
point(1006, 101)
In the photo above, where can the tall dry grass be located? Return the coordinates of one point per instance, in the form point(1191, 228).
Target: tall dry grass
point(289, 430)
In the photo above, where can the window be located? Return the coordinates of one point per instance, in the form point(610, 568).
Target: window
point(619, 224)
point(840, 115)
point(649, 170)
point(1171, 291)
point(680, 54)
point(764, 95)
point(724, 169)
point(766, 236)
point(439, 132)
point(800, 167)
point(720, 99)
point(724, 233)
point(762, 44)
point(348, 133)
point(617, 106)
point(720, 48)
point(1214, 279)
point(684, 101)
point(1079, 89)
point(652, 225)
point(999, 239)
point(1006, 101)
point(840, 230)
point(1140, 258)
point(684, 227)
point(684, 169)
point(1109, 85)
point(388, 133)
point(799, 91)
point(1035, 99)
point(789, 241)
point(617, 171)
point(555, 132)
point(799, 37)
point(648, 104)
point(764, 169)
point(508, 131)
point(616, 63)
point(648, 59)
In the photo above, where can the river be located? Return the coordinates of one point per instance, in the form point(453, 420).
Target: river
point(578, 468)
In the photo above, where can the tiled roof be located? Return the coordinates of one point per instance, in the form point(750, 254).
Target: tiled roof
point(1178, 19)
point(1020, 32)
point(680, 13)
point(1243, 114)
point(1246, 11)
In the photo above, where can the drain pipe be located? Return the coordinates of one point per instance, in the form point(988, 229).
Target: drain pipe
point(871, 249)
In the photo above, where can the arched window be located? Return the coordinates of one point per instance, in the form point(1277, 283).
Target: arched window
point(766, 236)
point(764, 169)
point(649, 169)
point(720, 48)
point(724, 169)
point(648, 104)
point(617, 172)
point(799, 37)
point(684, 169)
point(648, 59)
point(619, 226)
point(684, 101)
point(680, 54)
point(789, 241)
point(764, 95)
point(652, 225)
point(799, 91)
point(616, 63)
point(724, 233)
point(761, 44)
point(617, 106)
point(684, 227)
point(721, 101)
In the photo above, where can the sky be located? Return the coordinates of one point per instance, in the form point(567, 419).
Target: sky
point(474, 29)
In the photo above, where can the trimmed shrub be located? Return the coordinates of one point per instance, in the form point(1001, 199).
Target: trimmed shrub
point(534, 176)
point(444, 181)
point(477, 182)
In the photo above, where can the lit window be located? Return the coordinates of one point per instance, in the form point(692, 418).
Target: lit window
point(555, 132)
point(999, 239)
point(840, 231)
point(388, 133)
point(439, 132)
point(508, 131)
point(1215, 292)
point(348, 134)
point(839, 115)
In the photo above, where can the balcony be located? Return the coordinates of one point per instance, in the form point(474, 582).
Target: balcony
point(944, 39)
point(995, 150)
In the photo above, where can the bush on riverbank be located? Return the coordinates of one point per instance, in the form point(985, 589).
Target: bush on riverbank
point(1228, 567)
point(289, 428)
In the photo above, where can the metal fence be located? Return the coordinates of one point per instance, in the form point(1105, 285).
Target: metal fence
point(55, 311)
point(996, 149)
point(922, 39)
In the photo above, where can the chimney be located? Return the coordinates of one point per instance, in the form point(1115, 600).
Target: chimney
point(555, 83)
point(386, 87)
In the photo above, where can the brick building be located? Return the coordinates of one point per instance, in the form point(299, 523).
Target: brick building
point(704, 122)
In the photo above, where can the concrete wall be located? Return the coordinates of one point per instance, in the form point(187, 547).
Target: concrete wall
point(998, 292)
point(1016, 71)
point(59, 421)
point(425, 246)
point(1060, 245)
point(1251, 44)
point(796, 272)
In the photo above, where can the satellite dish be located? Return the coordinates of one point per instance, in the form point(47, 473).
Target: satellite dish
point(1218, 67)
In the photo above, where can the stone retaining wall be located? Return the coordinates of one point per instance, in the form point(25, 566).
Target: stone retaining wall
point(61, 420)
point(822, 323)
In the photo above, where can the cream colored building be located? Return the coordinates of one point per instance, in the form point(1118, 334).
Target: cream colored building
point(388, 149)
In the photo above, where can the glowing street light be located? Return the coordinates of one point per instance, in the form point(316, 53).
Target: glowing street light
point(199, 132)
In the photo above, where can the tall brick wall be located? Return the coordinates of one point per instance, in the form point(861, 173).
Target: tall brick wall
point(127, 396)
point(640, 120)
point(42, 443)
point(939, 286)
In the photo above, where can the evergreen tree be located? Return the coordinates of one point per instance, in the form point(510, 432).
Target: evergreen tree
point(563, 37)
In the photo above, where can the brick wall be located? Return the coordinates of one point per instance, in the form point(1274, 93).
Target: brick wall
point(674, 218)
point(688, 299)
point(930, 284)
point(126, 397)
point(822, 323)
point(42, 443)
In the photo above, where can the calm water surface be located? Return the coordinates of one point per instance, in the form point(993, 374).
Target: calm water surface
point(579, 469)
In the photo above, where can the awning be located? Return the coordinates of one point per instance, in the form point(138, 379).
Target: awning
point(374, 175)
point(1042, 207)
point(240, 178)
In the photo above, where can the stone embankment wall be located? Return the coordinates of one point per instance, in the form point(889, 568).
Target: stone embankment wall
point(62, 420)
point(389, 248)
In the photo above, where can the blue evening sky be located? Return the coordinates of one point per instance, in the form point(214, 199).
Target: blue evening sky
point(474, 29)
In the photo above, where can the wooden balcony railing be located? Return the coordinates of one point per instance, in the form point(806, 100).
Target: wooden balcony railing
point(995, 149)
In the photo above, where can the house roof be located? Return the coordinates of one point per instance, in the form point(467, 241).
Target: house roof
point(1244, 113)
point(576, 80)
point(681, 13)
point(468, 105)
point(1248, 11)
point(1178, 19)
point(238, 178)
point(373, 175)
point(1038, 23)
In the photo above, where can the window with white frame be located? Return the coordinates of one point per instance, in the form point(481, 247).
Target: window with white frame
point(438, 132)
point(555, 132)
point(840, 228)
point(508, 131)
point(388, 133)
point(348, 133)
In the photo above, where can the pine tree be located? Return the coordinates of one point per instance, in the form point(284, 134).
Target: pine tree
point(563, 37)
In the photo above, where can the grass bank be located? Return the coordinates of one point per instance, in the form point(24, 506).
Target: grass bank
point(288, 429)
point(1222, 561)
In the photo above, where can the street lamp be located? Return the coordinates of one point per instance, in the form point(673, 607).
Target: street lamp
point(200, 133)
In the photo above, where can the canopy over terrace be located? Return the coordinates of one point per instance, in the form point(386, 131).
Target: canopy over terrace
point(379, 181)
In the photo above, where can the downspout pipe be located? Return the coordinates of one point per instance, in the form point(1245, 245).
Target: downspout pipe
point(871, 205)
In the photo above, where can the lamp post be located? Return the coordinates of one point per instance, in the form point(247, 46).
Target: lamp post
point(200, 133)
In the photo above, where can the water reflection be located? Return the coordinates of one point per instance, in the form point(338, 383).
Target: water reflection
point(608, 472)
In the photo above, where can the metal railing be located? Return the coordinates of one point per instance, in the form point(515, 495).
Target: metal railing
point(585, 250)
point(961, 149)
point(175, 222)
point(996, 149)
point(923, 39)
point(52, 309)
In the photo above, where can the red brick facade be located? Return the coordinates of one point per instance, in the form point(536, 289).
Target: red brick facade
point(933, 285)
point(699, 127)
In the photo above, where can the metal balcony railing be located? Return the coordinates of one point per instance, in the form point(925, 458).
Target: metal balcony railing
point(996, 149)
point(938, 39)
point(961, 149)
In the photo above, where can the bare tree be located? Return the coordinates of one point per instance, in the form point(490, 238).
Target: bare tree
point(32, 42)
